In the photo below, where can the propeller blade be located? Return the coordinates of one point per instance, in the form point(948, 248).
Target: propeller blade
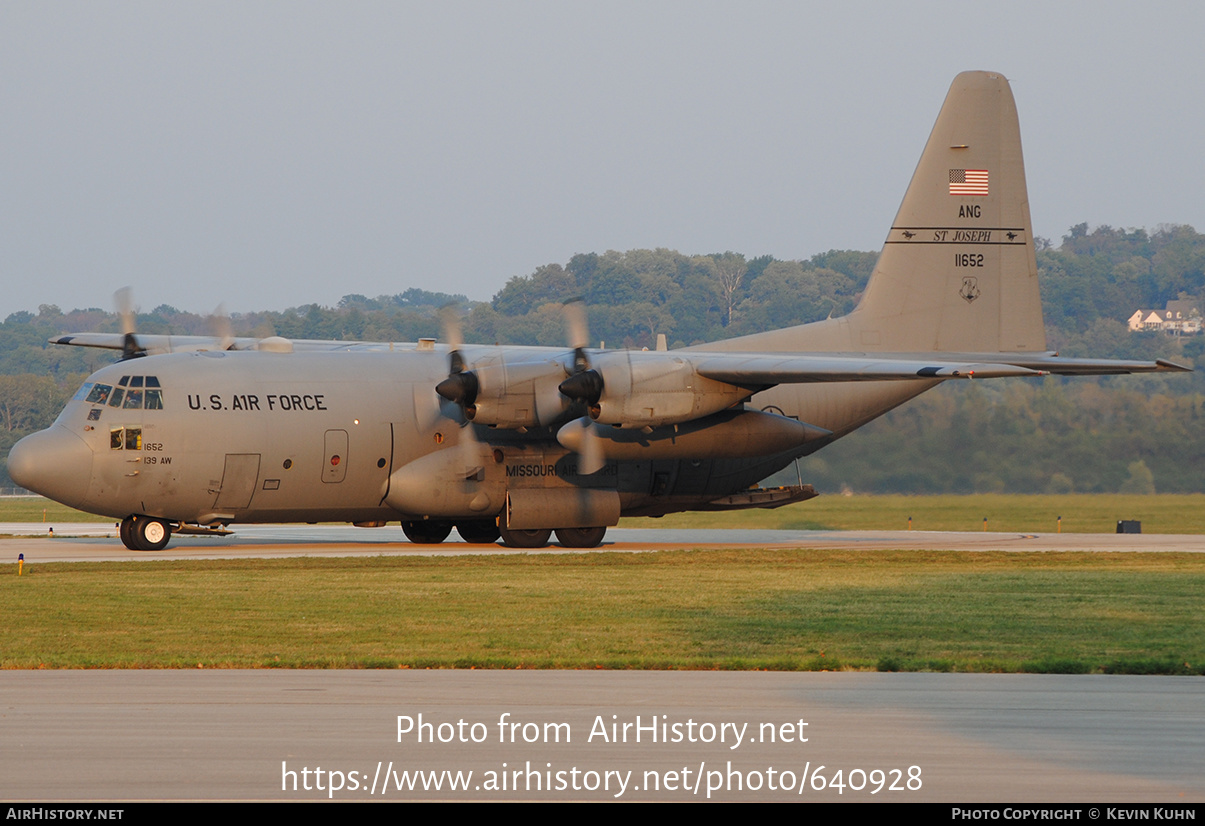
point(575, 324)
point(470, 451)
point(449, 321)
point(124, 300)
point(219, 325)
point(580, 436)
point(592, 456)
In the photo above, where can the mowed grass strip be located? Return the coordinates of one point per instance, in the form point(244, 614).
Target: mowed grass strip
point(808, 610)
point(1081, 513)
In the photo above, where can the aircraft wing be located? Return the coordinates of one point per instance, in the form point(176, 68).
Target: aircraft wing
point(765, 370)
point(1051, 363)
point(153, 344)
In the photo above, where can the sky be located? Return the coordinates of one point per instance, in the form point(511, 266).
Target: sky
point(265, 155)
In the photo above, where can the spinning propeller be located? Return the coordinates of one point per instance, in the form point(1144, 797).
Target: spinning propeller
point(460, 388)
point(527, 393)
point(461, 385)
point(584, 386)
point(130, 348)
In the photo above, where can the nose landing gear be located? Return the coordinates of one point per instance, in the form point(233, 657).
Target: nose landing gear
point(144, 533)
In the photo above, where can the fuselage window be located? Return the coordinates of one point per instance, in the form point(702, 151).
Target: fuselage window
point(125, 438)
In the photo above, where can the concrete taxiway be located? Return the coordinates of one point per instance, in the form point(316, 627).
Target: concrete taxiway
point(637, 736)
point(98, 542)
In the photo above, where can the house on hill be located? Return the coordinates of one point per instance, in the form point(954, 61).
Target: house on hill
point(1180, 317)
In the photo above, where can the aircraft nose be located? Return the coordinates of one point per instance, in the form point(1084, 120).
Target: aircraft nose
point(55, 463)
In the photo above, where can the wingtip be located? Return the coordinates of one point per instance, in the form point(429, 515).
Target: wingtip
point(1171, 366)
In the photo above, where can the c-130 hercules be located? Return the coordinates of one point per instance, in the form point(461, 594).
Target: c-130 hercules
point(519, 442)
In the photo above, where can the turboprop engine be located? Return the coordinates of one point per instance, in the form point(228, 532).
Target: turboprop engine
point(642, 389)
point(505, 394)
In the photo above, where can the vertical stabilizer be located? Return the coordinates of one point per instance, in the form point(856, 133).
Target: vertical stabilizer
point(957, 272)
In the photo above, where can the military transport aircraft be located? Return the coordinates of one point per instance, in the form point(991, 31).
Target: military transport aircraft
point(190, 435)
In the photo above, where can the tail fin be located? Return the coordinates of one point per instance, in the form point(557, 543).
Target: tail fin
point(957, 272)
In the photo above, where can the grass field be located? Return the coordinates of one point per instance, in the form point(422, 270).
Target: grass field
point(755, 609)
point(1082, 513)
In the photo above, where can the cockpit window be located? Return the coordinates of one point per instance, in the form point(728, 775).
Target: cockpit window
point(133, 398)
point(99, 393)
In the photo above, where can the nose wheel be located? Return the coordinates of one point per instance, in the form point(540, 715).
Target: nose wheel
point(144, 533)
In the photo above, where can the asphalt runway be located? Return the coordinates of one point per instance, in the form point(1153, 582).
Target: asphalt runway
point(545, 735)
point(78, 542)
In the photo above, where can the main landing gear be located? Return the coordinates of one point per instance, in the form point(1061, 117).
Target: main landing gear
point(569, 537)
point(536, 538)
point(432, 532)
point(428, 532)
point(144, 533)
point(481, 532)
point(487, 532)
point(580, 537)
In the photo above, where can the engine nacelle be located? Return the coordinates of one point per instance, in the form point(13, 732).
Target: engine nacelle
point(647, 390)
point(443, 484)
point(514, 395)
